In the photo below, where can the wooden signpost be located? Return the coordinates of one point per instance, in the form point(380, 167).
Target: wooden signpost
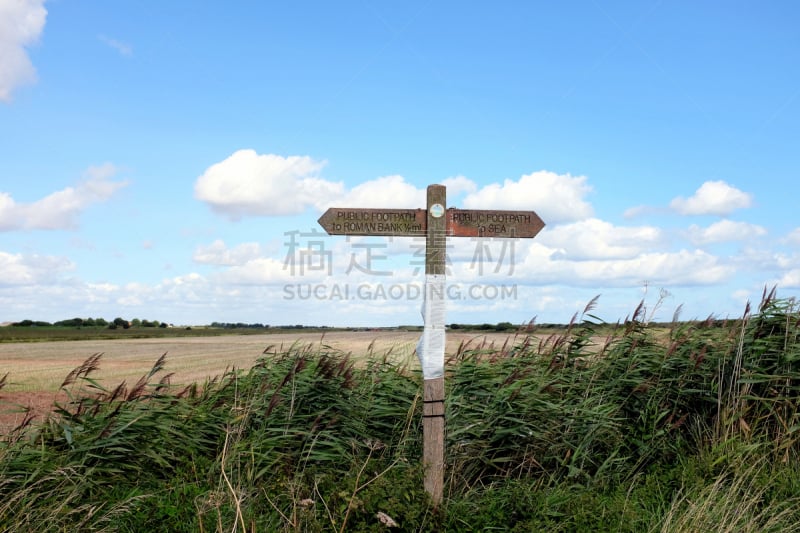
point(436, 223)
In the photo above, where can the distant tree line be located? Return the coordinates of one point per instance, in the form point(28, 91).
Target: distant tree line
point(143, 323)
point(31, 323)
point(120, 322)
point(238, 325)
point(500, 326)
point(93, 323)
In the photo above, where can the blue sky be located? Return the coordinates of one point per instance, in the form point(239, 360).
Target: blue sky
point(157, 159)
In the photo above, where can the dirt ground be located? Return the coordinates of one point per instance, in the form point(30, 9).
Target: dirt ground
point(15, 406)
point(36, 370)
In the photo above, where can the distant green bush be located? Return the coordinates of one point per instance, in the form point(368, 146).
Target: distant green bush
point(31, 323)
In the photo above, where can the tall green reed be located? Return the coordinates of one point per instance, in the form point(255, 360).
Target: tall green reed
point(308, 440)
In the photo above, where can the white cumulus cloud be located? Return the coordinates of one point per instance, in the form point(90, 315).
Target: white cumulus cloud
point(21, 24)
point(31, 269)
point(61, 209)
point(459, 184)
point(265, 271)
point(792, 238)
point(725, 231)
point(712, 198)
point(666, 269)
point(554, 197)
point(387, 191)
point(251, 184)
point(597, 239)
point(218, 253)
point(790, 279)
point(248, 183)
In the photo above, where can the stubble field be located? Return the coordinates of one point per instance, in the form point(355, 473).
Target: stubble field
point(35, 370)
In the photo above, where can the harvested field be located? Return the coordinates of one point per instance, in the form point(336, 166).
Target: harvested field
point(36, 370)
point(42, 366)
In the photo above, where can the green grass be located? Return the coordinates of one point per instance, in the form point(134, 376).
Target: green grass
point(683, 427)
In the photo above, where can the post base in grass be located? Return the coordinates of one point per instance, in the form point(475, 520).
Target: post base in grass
point(433, 438)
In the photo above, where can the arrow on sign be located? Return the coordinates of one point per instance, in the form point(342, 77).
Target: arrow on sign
point(386, 222)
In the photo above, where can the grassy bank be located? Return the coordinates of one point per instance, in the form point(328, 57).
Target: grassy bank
point(690, 429)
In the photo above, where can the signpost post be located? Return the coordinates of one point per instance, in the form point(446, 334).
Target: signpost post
point(436, 223)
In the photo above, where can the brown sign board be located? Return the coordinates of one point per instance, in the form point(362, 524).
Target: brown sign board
point(413, 222)
point(381, 222)
point(492, 223)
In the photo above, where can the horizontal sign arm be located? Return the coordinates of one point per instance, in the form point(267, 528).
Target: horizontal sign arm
point(386, 222)
point(491, 223)
point(413, 222)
